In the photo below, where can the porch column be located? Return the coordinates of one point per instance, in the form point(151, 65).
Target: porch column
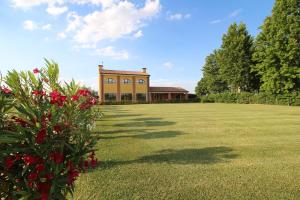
point(133, 90)
point(169, 96)
point(118, 89)
point(186, 96)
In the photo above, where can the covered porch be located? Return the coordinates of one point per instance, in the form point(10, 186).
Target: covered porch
point(158, 94)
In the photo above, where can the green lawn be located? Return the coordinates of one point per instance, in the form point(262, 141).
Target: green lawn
point(195, 151)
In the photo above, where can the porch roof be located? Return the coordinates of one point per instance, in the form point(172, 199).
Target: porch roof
point(167, 89)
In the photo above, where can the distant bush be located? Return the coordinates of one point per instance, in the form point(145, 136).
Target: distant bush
point(292, 99)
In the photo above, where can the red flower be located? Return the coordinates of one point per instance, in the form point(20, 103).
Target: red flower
point(86, 164)
point(72, 175)
point(20, 121)
point(83, 92)
point(40, 167)
point(32, 176)
point(43, 93)
point(44, 196)
point(40, 137)
point(57, 128)
point(75, 98)
point(44, 187)
point(94, 163)
point(63, 98)
point(35, 92)
point(17, 156)
point(30, 184)
point(29, 160)
point(49, 176)
point(93, 101)
point(6, 90)
point(55, 96)
point(70, 165)
point(36, 70)
point(57, 157)
point(9, 162)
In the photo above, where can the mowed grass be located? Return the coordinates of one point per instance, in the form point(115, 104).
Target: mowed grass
point(195, 151)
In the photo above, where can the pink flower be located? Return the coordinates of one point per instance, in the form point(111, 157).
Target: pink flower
point(36, 70)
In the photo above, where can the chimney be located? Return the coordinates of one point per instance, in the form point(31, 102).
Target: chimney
point(100, 67)
point(144, 70)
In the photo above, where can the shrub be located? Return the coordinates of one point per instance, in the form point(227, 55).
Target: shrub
point(45, 136)
point(254, 98)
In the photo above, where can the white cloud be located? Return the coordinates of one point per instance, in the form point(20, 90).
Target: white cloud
point(168, 65)
point(112, 53)
point(138, 34)
point(103, 3)
point(119, 20)
point(74, 21)
point(46, 27)
point(235, 13)
point(31, 26)
point(217, 21)
point(178, 16)
point(26, 4)
point(56, 10)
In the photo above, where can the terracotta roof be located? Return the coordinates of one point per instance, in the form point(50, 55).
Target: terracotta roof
point(167, 89)
point(106, 71)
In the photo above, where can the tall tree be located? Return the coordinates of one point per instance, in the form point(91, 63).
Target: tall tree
point(211, 71)
point(212, 81)
point(236, 58)
point(201, 88)
point(277, 48)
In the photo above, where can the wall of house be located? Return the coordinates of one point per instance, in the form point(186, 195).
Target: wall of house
point(141, 88)
point(119, 88)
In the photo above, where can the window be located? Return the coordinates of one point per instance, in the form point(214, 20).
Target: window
point(110, 81)
point(141, 97)
point(110, 97)
point(126, 97)
point(126, 81)
point(141, 81)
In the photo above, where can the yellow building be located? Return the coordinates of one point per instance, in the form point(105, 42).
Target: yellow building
point(133, 86)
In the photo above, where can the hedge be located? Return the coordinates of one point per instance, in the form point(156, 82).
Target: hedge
point(292, 99)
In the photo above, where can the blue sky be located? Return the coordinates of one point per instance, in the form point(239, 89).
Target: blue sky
point(169, 37)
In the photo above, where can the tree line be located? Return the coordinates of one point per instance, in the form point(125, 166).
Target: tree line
point(267, 63)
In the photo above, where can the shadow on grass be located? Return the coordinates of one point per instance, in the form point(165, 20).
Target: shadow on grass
point(149, 135)
point(129, 131)
point(208, 155)
point(146, 123)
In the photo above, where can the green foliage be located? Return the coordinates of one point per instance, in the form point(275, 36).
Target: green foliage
point(45, 134)
point(292, 99)
point(277, 48)
point(235, 58)
point(212, 81)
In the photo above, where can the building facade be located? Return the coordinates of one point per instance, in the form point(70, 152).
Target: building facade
point(134, 86)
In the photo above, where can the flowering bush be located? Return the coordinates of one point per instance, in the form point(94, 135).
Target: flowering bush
point(45, 135)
